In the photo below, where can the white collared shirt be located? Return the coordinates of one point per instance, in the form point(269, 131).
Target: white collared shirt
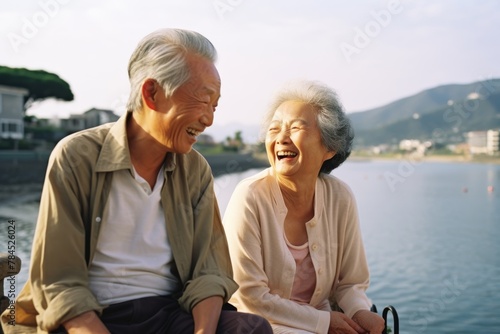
point(133, 258)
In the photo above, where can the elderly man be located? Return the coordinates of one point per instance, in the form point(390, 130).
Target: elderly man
point(129, 236)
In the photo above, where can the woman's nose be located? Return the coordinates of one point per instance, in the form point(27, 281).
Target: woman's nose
point(283, 136)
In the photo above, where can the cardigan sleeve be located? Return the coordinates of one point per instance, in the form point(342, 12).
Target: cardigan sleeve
point(354, 278)
point(243, 223)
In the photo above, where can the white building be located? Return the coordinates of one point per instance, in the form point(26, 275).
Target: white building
point(483, 142)
point(409, 144)
point(492, 141)
point(12, 112)
point(88, 119)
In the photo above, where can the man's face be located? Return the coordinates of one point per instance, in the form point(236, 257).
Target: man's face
point(180, 118)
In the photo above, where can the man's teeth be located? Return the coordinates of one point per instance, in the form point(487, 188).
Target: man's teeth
point(283, 154)
point(193, 132)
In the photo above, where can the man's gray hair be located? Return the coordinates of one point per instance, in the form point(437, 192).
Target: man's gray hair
point(161, 56)
point(335, 128)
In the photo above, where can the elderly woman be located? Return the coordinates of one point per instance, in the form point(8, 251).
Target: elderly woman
point(293, 230)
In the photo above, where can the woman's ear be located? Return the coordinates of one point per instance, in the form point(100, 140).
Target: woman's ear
point(149, 90)
point(329, 155)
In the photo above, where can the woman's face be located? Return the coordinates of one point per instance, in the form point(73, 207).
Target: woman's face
point(293, 141)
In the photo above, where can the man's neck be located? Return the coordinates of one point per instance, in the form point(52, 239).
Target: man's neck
point(146, 154)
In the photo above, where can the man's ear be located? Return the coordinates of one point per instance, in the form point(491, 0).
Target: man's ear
point(149, 90)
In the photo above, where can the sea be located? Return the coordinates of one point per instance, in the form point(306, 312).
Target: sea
point(431, 232)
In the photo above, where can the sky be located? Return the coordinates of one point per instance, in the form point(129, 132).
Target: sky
point(370, 52)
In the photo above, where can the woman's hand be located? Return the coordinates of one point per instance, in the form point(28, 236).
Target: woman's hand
point(341, 324)
point(371, 322)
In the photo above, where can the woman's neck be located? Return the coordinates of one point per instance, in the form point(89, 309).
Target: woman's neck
point(299, 196)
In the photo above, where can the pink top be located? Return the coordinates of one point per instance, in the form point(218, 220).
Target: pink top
point(304, 282)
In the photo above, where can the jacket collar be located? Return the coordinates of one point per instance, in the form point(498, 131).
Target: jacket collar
point(114, 153)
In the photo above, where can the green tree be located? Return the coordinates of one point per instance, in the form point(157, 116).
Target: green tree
point(40, 84)
point(238, 137)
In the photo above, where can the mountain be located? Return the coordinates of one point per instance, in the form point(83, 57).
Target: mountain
point(438, 114)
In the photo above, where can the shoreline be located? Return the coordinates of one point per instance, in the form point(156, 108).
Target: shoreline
point(18, 188)
point(427, 158)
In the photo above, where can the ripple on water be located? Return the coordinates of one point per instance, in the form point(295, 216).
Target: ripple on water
point(25, 215)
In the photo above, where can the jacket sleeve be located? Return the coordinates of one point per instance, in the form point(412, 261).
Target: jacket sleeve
point(58, 270)
point(210, 262)
point(243, 223)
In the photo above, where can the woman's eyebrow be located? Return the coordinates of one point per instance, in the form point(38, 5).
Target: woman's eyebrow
point(299, 120)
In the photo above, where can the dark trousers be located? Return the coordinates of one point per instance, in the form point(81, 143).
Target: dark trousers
point(163, 315)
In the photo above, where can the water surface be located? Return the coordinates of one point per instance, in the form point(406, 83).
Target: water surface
point(431, 233)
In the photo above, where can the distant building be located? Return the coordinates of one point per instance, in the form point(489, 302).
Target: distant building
point(379, 149)
point(484, 142)
point(12, 112)
point(409, 144)
point(89, 119)
point(492, 141)
point(415, 147)
point(462, 148)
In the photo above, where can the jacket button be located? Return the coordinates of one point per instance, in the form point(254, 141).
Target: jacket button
point(98, 219)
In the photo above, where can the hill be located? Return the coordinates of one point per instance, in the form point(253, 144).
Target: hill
point(441, 114)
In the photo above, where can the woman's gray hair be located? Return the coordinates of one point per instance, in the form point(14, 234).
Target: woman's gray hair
point(161, 56)
point(336, 131)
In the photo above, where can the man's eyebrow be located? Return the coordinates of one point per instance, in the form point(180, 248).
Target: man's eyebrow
point(209, 90)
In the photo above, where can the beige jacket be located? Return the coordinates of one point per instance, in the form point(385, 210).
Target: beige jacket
point(76, 187)
point(265, 269)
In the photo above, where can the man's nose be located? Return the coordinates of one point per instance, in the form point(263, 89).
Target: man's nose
point(207, 119)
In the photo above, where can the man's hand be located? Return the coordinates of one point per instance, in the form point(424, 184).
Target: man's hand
point(370, 321)
point(86, 323)
point(341, 324)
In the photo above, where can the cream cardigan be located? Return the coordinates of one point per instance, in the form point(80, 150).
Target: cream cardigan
point(265, 269)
